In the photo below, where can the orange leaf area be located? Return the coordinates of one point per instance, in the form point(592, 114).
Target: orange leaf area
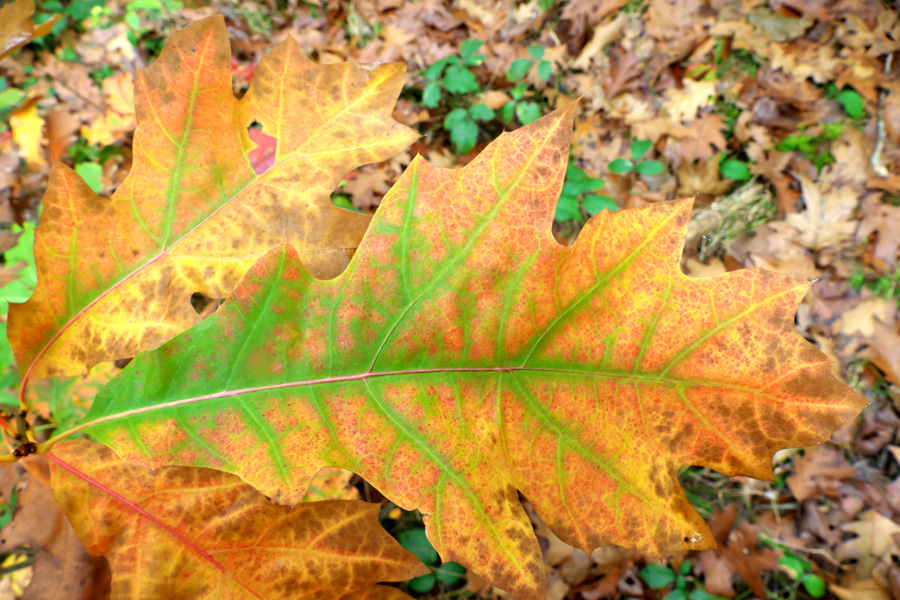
point(181, 532)
point(193, 215)
point(465, 356)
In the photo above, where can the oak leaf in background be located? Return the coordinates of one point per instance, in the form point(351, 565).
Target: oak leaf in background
point(181, 532)
point(465, 356)
point(115, 276)
point(17, 28)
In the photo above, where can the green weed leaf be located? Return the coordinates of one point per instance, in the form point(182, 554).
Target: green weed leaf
point(481, 112)
point(470, 47)
point(528, 112)
point(518, 69)
point(852, 101)
point(544, 69)
point(621, 165)
point(814, 585)
point(464, 135)
point(650, 167)
point(460, 80)
point(639, 148)
point(455, 117)
point(656, 576)
point(431, 95)
point(735, 169)
point(594, 204)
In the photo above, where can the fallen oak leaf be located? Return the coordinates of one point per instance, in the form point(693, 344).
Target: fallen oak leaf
point(181, 532)
point(820, 471)
point(17, 28)
point(465, 355)
point(119, 119)
point(192, 215)
point(746, 560)
point(874, 548)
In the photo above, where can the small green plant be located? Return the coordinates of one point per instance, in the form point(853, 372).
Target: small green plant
point(20, 257)
point(849, 99)
point(814, 147)
point(639, 148)
point(8, 506)
point(453, 74)
point(10, 99)
point(518, 107)
point(885, 286)
point(798, 569)
point(660, 577)
point(727, 59)
point(137, 13)
point(574, 199)
point(733, 168)
point(461, 123)
point(448, 573)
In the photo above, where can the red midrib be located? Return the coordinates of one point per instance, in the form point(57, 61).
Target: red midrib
point(143, 513)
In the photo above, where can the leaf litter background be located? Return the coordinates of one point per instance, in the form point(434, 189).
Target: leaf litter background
point(783, 118)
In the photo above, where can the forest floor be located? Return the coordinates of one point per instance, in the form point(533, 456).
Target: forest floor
point(781, 118)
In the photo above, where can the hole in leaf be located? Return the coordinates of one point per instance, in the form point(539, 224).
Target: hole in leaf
point(201, 303)
point(263, 156)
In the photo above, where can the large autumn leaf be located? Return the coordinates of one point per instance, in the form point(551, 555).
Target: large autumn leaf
point(115, 276)
point(182, 532)
point(465, 355)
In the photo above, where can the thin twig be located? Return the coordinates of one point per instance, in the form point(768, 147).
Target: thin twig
point(875, 159)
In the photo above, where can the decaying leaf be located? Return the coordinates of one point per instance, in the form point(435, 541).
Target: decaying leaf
point(465, 355)
point(182, 532)
point(119, 119)
point(193, 215)
point(28, 131)
point(874, 548)
point(17, 28)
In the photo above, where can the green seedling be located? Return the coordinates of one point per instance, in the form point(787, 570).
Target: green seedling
point(453, 74)
point(19, 289)
point(814, 147)
point(461, 123)
point(574, 200)
point(519, 108)
point(660, 577)
point(733, 168)
point(647, 167)
point(448, 573)
point(798, 569)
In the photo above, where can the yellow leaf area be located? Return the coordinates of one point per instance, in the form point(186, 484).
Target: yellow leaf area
point(181, 532)
point(331, 484)
point(115, 276)
point(465, 356)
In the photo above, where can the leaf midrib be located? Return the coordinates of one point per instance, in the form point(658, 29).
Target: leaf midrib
point(675, 382)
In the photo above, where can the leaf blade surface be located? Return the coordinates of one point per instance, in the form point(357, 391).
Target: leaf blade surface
point(465, 356)
point(182, 532)
point(115, 275)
